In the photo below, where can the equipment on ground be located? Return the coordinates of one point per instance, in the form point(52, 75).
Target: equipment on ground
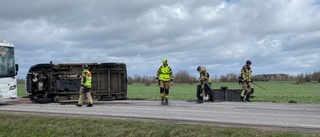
point(222, 94)
point(47, 83)
point(207, 94)
point(259, 86)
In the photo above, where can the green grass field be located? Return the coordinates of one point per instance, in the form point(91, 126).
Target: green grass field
point(278, 91)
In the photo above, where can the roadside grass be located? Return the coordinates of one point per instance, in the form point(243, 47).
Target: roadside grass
point(68, 126)
point(278, 91)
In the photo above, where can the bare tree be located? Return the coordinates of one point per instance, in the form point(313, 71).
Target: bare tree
point(183, 76)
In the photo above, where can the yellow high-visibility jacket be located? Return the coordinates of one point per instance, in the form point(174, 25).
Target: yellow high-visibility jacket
point(165, 73)
point(86, 78)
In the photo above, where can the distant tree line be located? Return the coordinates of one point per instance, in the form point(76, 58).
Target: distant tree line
point(232, 77)
point(308, 77)
point(183, 76)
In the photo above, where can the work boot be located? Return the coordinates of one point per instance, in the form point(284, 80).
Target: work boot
point(90, 105)
point(242, 99)
point(78, 105)
point(248, 99)
point(166, 100)
point(162, 99)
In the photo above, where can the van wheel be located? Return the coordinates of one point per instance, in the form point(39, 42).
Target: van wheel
point(108, 65)
point(107, 98)
point(37, 99)
point(44, 66)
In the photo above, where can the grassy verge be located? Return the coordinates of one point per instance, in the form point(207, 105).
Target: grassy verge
point(45, 126)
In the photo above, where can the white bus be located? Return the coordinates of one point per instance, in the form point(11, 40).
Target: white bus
point(8, 71)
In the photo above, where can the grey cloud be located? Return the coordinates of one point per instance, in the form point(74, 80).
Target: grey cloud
point(279, 36)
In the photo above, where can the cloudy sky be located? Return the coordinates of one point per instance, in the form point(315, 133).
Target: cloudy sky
point(278, 36)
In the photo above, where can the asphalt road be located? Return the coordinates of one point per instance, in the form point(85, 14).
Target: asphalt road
point(271, 115)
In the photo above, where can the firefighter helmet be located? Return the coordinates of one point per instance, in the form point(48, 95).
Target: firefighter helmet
point(165, 60)
point(248, 62)
point(198, 68)
point(85, 66)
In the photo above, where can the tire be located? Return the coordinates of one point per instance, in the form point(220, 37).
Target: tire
point(44, 66)
point(32, 99)
point(44, 101)
point(40, 100)
point(115, 97)
point(109, 65)
point(107, 98)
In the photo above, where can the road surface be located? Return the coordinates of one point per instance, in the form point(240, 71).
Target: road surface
point(270, 115)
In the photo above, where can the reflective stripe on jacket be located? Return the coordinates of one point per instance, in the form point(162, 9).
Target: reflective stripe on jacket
point(86, 78)
point(164, 73)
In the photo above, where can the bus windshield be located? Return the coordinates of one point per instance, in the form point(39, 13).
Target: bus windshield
point(7, 64)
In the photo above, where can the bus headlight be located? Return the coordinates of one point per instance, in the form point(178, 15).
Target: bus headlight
point(13, 87)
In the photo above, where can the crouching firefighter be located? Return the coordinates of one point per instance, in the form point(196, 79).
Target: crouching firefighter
point(85, 87)
point(246, 81)
point(204, 91)
point(165, 77)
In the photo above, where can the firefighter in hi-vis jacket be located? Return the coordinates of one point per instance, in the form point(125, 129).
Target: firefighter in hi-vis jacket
point(85, 88)
point(165, 77)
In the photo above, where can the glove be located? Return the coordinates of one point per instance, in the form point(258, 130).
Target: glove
point(79, 76)
point(251, 81)
point(157, 78)
point(81, 88)
point(244, 80)
point(171, 80)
